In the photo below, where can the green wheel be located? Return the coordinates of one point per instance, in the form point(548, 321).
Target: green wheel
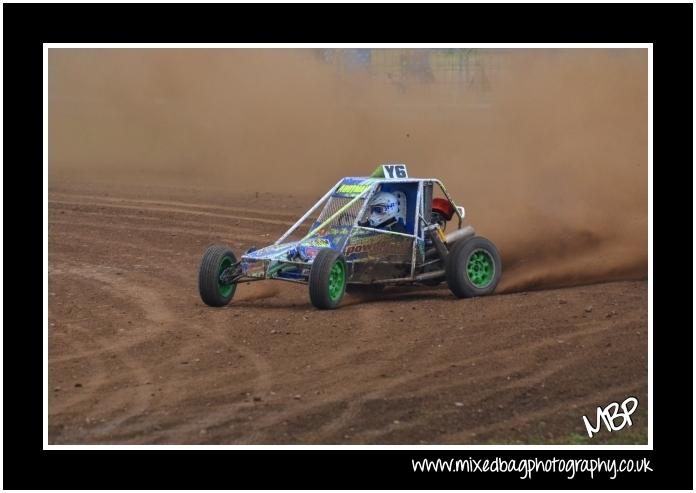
point(327, 279)
point(213, 291)
point(480, 268)
point(473, 268)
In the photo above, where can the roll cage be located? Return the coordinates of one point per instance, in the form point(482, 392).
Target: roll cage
point(372, 185)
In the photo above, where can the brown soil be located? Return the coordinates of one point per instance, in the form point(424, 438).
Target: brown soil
point(135, 357)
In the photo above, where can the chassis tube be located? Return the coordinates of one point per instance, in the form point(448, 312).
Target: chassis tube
point(442, 251)
point(338, 212)
point(444, 190)
point(302, 219)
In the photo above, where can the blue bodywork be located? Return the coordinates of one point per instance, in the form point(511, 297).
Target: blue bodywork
point(291, 260)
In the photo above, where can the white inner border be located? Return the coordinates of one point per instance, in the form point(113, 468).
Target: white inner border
point(648, 46)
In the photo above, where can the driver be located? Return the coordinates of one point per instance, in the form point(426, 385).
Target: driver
point(384, 211)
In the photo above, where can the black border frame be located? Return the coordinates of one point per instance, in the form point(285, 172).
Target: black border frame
point(27, 26)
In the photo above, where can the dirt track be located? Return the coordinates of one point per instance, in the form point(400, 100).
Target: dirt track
point(135, 357)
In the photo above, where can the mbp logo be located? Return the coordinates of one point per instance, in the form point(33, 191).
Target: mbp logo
point(610, 414)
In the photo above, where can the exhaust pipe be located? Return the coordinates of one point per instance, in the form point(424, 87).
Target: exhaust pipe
point(459, 234)
point(450, 238)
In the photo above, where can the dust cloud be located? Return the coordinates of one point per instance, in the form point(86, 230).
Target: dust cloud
point(550, 159)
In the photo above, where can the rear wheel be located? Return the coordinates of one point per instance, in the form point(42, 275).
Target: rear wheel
point(473, 268)
point(216, 260)
point(327, 279)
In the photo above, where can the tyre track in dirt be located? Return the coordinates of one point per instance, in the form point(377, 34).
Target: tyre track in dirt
point(122, 400)
point(174, 210)
point(155, 219)
point(99, 200)
point(376, 387)
point(386, 387)
point(233, 412)
point(145, 229)
point(129, 399)
point(125, 247)
point(155, 314)
point(501, 384)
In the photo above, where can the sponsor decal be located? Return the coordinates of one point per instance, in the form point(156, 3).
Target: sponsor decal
point(375, 244)
point(317, 242)
point(326, 236)
point(311, 251)
point(352, 189)
point(270, 250)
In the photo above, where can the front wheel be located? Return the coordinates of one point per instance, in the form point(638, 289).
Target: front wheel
point(213, 290)
point(327, 279)
point(473, 267)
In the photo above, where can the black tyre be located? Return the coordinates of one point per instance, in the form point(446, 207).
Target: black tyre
point(327, 279)
point(473, 267)
point(216, 259)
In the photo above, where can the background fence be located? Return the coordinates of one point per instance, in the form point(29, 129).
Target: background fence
point(469, 69)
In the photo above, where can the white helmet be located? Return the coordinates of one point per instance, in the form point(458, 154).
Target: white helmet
point(386, 207)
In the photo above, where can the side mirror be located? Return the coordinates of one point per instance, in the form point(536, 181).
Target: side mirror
point(461, 211)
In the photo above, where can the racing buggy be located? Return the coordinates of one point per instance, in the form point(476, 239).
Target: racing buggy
point(365, 233)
